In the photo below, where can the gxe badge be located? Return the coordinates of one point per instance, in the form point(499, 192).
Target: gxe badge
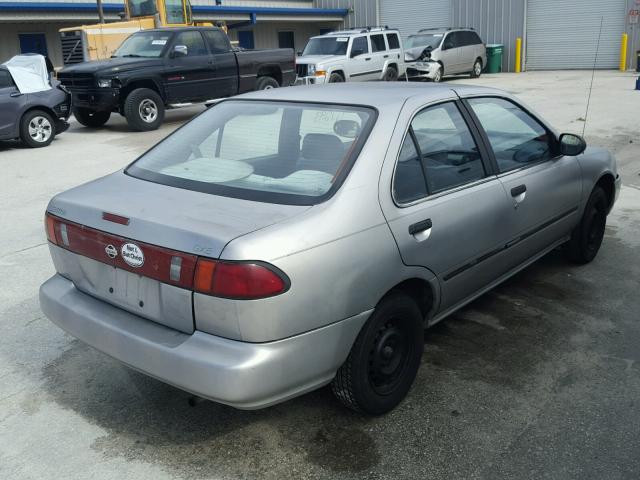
point(112, 252)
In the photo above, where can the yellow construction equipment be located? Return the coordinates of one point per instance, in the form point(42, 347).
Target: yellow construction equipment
point(99, 41)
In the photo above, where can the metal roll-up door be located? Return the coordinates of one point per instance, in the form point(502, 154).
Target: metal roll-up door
point(411, 15)
point(563, 34)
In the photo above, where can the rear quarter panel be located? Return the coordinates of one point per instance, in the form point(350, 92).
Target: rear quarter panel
point(251, 61)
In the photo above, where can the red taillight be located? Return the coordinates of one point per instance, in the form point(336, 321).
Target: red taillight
point(238, 280)
point(50, 227)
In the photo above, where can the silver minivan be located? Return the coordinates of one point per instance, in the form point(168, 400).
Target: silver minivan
point(435, 52)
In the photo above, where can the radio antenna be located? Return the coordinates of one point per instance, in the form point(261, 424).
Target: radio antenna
point(593, 74)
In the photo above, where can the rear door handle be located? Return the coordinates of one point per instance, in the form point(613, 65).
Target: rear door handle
point(367, 59)
point(519, 190)
point(420, 226)
point(386, 56)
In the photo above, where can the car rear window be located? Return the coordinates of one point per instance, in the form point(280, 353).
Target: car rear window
point(278, 152)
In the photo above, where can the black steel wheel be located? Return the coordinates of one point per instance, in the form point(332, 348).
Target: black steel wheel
point(587, 237)
point(384, 359)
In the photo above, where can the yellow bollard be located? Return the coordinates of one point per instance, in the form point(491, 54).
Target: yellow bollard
point(518, 55)
point(623, 52)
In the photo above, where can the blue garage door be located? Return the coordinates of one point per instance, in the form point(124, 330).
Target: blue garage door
point(33, 43)
point(245, 39)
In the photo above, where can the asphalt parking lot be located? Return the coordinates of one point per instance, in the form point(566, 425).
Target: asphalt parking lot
point(539, 378)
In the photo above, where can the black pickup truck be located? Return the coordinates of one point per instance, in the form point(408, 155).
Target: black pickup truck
point(158, 69)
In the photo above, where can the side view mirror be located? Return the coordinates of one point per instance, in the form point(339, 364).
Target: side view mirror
point(447, 46)
point(180, 51)
point(299, 53)
point(356, 52)
point(572, 145)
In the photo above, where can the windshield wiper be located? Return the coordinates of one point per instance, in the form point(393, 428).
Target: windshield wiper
point(132, 55)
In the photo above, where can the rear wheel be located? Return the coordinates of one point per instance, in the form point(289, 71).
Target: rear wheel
point(384, 359)
point(91, 118)
point(336, 78)
point(266, 83)
point(37, 129)
point(437, 77)
point(391, 75)
point(477, 69)
point(587, 237)
point(144, 109)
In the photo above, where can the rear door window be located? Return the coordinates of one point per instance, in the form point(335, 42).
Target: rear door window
point(377, 43)
point(449, 155)
point(277, 152)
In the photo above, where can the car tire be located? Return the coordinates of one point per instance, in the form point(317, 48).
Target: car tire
point(587, 237)
point(336, 78)
point(37, 129)
point(91, 118)
point(477, 68)
point(144, 110)
point(384, 359)
point(437, 78)
point(266, 83)
point(390, 75)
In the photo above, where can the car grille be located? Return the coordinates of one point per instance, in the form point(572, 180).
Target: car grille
point(72, 48)
point(77, 82)
point(302, 69)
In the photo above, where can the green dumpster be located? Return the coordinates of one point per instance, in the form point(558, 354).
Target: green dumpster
point(494, 58)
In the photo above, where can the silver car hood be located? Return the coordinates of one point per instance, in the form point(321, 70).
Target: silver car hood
point(191, 222)
point(413, 54)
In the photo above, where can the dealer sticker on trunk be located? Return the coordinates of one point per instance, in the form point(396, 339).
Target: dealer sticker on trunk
point(132, 255)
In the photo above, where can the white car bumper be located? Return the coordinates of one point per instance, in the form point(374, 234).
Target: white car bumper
point(422, 69)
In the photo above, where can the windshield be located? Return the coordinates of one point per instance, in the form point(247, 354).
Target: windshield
point(143, 44)
point(327, 46)
point(424, 40)
point(278, 152)
point(141, 8)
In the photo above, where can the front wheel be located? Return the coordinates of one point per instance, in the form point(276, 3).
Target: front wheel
point(384, 359)
point(91, 118)
point(144, 109)
point(587, 237)
point(37, 129)
point(437, 77)
point(477, 69)
point(391, 75)
point(336, 78)
point(266, 83)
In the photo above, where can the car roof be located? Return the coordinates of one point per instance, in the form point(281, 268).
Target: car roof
point(442, 30)
point(178, 29)
point(371, 94)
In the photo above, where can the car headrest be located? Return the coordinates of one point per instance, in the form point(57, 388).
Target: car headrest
point(322, 146)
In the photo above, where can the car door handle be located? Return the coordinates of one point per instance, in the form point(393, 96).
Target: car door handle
point(367, 59)
point(420, 226)
point(519, 190)
point(386, 56)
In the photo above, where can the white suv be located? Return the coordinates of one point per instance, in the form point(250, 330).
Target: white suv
point(370, 53)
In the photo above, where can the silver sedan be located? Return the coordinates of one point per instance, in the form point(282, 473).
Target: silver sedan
point(286, 240)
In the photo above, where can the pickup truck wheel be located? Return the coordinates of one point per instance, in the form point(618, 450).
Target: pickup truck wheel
point(477, 69)
point(144, 109)
point(384, 359)
point(91, 118)
point(37, 129)
point(390, 75)
point(336, 78)
point(587, 237)
point(266, 83)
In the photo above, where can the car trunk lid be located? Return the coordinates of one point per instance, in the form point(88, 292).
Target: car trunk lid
point(134, 243)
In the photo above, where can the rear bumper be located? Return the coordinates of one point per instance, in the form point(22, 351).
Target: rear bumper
point(243, 375)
